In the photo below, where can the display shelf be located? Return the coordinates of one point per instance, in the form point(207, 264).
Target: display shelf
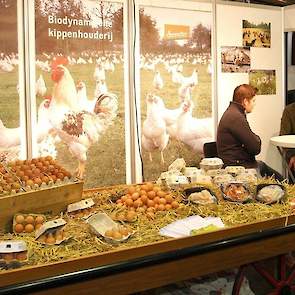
point(53, 199)
point(153, 265)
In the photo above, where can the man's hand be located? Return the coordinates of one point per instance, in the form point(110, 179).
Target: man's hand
point(292, 163)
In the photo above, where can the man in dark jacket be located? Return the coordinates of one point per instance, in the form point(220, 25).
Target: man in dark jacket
point(237, 144)
point(288, 128)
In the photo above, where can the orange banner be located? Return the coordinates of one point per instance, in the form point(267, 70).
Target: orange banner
point(176, 32)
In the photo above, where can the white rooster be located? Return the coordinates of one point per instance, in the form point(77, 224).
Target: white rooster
point(192, 131)
point(77, 128)
point(154, 133)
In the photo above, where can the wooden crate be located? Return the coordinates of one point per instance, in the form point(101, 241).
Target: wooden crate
point(53, 200)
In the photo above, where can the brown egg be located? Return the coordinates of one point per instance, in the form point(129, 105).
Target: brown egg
point(156, 189)
point(25, 178)
point(175, 204)
point(39, 219)
point(21, 256)
point(123, 231)
point(59, 235)
point(30, 182)
point(37, 226)
point(161, 207)
point(169, 199)
point(144, 199)
point(45, 179)
point(161, 194)
point(29, 173)
point(19, 218)
point(60, 176)
point(34, 161)
point(18, 228)
point(157, 200)
point(29, 219)
point(48, 158)
point(36, 171)
point(137, 203)
point(129, 202)
point(131, 190)
point(39, 165)
point(117, 235)
point(32, 166)
point(20, 173)
point(109, 233)
point(151, 194)
point(50, 239)
point(46, 163)
point(29, 228)
point(144, 187)
point(16, 185)
point(135, 196)
point(150, 203)
point(53, 177)
point(42, 239)
point(37, 181)
point(130, 216)
point(124, 198)
point(162, 201)
point(150, 186)
point(8, 256)
point(168, 207)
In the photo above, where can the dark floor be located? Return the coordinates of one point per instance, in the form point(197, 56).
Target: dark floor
point(209, 285)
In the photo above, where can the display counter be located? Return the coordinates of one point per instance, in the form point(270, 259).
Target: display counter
point(88, 264)
point(157, 264)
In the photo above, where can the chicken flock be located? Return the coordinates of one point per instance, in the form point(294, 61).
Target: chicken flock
point(68, 115)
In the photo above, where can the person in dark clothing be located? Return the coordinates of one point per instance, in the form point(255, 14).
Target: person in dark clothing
point(237, 144)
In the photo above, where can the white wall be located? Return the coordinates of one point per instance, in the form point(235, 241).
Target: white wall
point(289, 18)
point(265, 119)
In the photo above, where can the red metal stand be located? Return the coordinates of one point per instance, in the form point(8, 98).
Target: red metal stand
point(283, 285)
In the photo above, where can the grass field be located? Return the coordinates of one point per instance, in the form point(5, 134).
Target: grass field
point(106, 159)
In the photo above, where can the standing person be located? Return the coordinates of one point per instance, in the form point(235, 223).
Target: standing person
point(237, 144)
point(288, 128)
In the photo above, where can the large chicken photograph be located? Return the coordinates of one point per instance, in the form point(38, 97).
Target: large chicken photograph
point(80, 86)
point(9, 87)
point(175, 86)
point(79, 89)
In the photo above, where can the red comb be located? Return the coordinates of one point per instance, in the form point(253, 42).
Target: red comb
point(59, 60)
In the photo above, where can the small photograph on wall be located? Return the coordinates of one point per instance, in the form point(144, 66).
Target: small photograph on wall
point(235, 59)
point(264, 81)
point(256, 34)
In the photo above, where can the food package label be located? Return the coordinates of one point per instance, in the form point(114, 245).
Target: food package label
point(84, 204)
point(12, 246)
point(53, 224)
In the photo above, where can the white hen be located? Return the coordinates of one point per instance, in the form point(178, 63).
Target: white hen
point(158, 81)
point(154, 133)
point(40, 86)
point(192, 131)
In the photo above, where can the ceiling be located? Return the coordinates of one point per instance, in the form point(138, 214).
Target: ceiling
point(268, 2)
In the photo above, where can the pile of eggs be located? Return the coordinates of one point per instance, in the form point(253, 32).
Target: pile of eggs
point(52, 237)
point(27, 223)
point(38, 171)
point(20, 256)
point(8, 181)
point(147, 197)
point(118, 233)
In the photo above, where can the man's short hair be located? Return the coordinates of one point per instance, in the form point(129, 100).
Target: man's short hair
point(244, 91)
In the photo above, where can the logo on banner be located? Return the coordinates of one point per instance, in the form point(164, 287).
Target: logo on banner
point(176, 32)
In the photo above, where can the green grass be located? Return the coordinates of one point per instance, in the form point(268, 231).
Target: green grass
point(106, 159)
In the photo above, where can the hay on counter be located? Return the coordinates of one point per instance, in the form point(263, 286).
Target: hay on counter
point(146, 228)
